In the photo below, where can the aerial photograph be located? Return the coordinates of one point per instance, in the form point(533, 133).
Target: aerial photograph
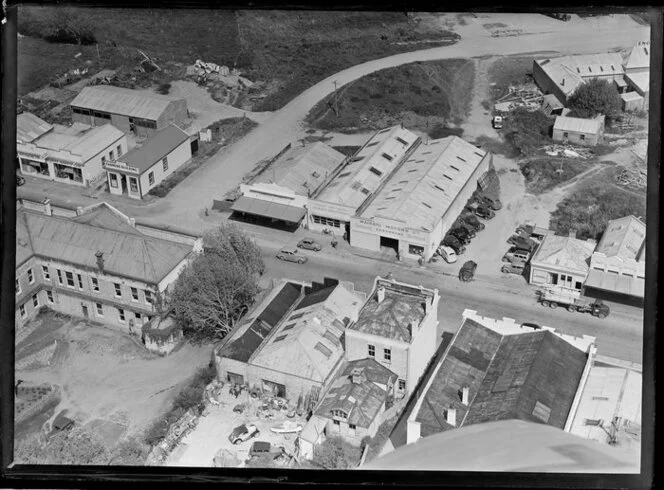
point(354, 240)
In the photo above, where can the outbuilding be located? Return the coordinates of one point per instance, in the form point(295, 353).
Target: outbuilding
point(578, 131)
point(128, 110)
point(136, 172)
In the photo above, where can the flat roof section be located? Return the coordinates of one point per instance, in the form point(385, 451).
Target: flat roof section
point(259, 207)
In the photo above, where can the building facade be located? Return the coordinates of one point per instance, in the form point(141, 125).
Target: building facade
point(80, 266)
point(138, 171)
point(587, 132)
point(128, 110)
point(72, 155)
point(561, 261)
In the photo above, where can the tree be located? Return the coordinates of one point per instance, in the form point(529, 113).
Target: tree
point(217, 288)
point(130, 452)
point(69, 27)
point(527, 130)
point(336, 453)
point(74, 446)
point(596, 97)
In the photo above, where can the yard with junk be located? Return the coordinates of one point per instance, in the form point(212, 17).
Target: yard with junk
point(104, 381)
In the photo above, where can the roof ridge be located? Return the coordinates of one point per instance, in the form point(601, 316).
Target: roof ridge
point(27, 230)
point(149, 263)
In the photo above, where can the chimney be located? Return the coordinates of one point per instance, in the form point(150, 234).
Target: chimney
point(450, 416)
point(100, 260)
point(48, 211)
point(572, 233)
point(356, 376)
point(464, 394)
point(381, 294)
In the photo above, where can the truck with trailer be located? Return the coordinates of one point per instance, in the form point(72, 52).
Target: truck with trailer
point(573, 301)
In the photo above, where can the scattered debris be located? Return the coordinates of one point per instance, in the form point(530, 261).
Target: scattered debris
point(528, 96)
point(632, 178)
point(568, 151)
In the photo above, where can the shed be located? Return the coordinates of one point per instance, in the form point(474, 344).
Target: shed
point(551, 106)
point(632, 101)
point(578, 131)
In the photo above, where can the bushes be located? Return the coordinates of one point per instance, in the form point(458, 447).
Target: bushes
point(442, 131)
point(595, 97)
point(336, 453)
point(130, 452)
point(164, 88)
point(542, 174)
point(527, 131)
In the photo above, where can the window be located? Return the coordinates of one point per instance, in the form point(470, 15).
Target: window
point(134, 294)
point(103, 159)
point(351, 429)
point(372, 350)
point(22, 310)
point(583, 137)
point(100, 309)
point(323, 350)
point(95, 284)
point(35, 300)
point(133, 184)
point(387, 354)
point(49, 296)
point(151, 178)
point(46, 273)
point(402, 384)
point(31, 277)
point(542, 412)
point(336, 422)
point(70, 279)
point(137, 315)
point(118, 289)
point(164, 163)
point(60, 276)
point(148, 296)
point(114, 180)
point(80, 281)
point(553, 278)
point(18, 287)
point(374, 170)
point(565, 134)
point(415, 250)
point(592, 422)
point(578, 285)
point(121, 314)
point(119, 149)
point(111, 155)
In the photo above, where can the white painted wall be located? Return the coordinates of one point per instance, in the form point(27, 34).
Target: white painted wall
point(176, 159)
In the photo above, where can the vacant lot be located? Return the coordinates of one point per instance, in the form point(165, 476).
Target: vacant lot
point(509, 70)
point(436, 92)
point(543, 174)
point(108, 381)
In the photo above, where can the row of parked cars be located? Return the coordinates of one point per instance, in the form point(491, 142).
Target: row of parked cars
point(524, 243)
point(290, 254)
point(467, 225)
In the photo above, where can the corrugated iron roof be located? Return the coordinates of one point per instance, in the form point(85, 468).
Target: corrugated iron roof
point(126, 254)
point(640, 80)
point(631, 96)
point(638, 56)
point(574, 70)
point(619, 283)
point(159, 145)
point(369, 167)
point(578, 125)
point(260, 207)
point(29, 127)
point(423, 188)
point(622, 238)
point(118, 100)
point(564, 251)
point(302, 169)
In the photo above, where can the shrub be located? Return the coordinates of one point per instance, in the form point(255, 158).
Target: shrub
point(442, 131)
point(527, 130)
point(596, 97)
point(337, 453)
point(164, 88)
point(130, 452)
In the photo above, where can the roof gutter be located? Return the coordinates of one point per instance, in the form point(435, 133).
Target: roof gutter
point(592, 352)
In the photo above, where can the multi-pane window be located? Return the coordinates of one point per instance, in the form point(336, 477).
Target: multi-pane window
point(22, 310)
point(70, 279)
point(110, 155)
point(402, 384)
point(119, 148)
point(372, 350)
point(387, 354)
point(118, 289)
point(114, 180)
point(134, 294)
point(151, 178)
point(148, 296)
point(46, 273)
point(60, 277)
point(100, 309)
point(164, 163)
point(35, 300)
point(322, 220)
point(133, 184)
point(49, 296)
point(80, 281)
point(95, 284)
point(18, 287)
point(31, 277)
point(121, 314)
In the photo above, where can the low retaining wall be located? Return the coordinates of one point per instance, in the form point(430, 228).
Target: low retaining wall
point(54, 395)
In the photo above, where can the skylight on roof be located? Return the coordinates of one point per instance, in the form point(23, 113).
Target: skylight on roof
point(374, 170)
point(462, 159)
point(288, 327)
point(396, 189)
point(322, 349)
point(542, 412)
point(365, 191)
point(402, 141)
point(388, 157)
point(279, 338)
point(373, 144)
point(503, 383)
point(454, 168)
point(412, 170)
point(345, 174)
point(578, 70)
point(613, 68)
point(296, 316)
point(439, 188)
point(427, 205)
point(447, 176)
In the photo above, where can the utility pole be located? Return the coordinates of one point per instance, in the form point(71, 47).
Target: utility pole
point(336, 107)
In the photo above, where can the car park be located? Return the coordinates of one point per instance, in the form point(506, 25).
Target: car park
point(471, 221)
point(243, 433)
point(456, 245)
point(515, 254)
point(448, 254)
point(309, 244)
point(290, 255)
point(521, 241)
point(480, 211)
point(513, 268)
point(462, 232)
point(491, 202)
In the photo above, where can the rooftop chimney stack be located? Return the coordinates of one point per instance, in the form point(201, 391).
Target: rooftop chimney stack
point(450, 416)
point(356, 376)
point(100, 260)
point(48, 211)
point(381, 294)
point(465, 395)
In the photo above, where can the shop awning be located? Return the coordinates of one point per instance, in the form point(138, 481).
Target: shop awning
point(619, 283)
point(259, 207)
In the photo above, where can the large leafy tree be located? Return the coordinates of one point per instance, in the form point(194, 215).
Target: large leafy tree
point(595, 97)
point(336, 453)
point(215, 290)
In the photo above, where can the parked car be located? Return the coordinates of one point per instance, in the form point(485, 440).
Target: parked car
point(497, 122)
point(462, 237)
point(243, 433)
point(516, 255)
point(534, 326)
point(532, 232)
point(259, 447)
point(467, 272)
point(471, 220)
point(456, 245)
point(20, 180)
point(291, 255)
point(523, 242)
point(447, 253)
point(491, 202)
point(513, 268)
point(481, 211)
point(462, 231)
point(309, 244)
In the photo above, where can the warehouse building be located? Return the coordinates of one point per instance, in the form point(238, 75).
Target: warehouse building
point(362, 175)
point(70, 154)
point(587, 132)
point(281, 191)
point(128, 110)
point(618, 264)
point(416, 207)
point(135, 173)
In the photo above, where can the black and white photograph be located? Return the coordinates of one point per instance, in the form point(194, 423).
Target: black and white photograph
point(346, 239)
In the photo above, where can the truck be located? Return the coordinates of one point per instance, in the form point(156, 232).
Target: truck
point(573, 301)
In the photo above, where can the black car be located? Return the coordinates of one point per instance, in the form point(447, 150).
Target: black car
point(455, 244)
point(520, 241)
point(481, 211)
point(534, 326)
point(462, 234)
point(471, 221)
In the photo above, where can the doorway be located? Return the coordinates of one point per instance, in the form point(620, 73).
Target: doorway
point(389, 245)
point(85, 311)
point(123, 183)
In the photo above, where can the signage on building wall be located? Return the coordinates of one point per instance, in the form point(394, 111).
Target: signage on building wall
point(115, 165)
point(69, 163)
point(390, 231)
point(32, 155)
point(330, 210)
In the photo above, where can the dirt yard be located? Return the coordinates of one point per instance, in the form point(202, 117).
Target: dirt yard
point(107, 380)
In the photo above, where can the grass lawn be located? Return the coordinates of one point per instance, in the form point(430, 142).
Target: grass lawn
point(542, 174)
point(438, 89)
point(509, 70)
point(594, 203)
